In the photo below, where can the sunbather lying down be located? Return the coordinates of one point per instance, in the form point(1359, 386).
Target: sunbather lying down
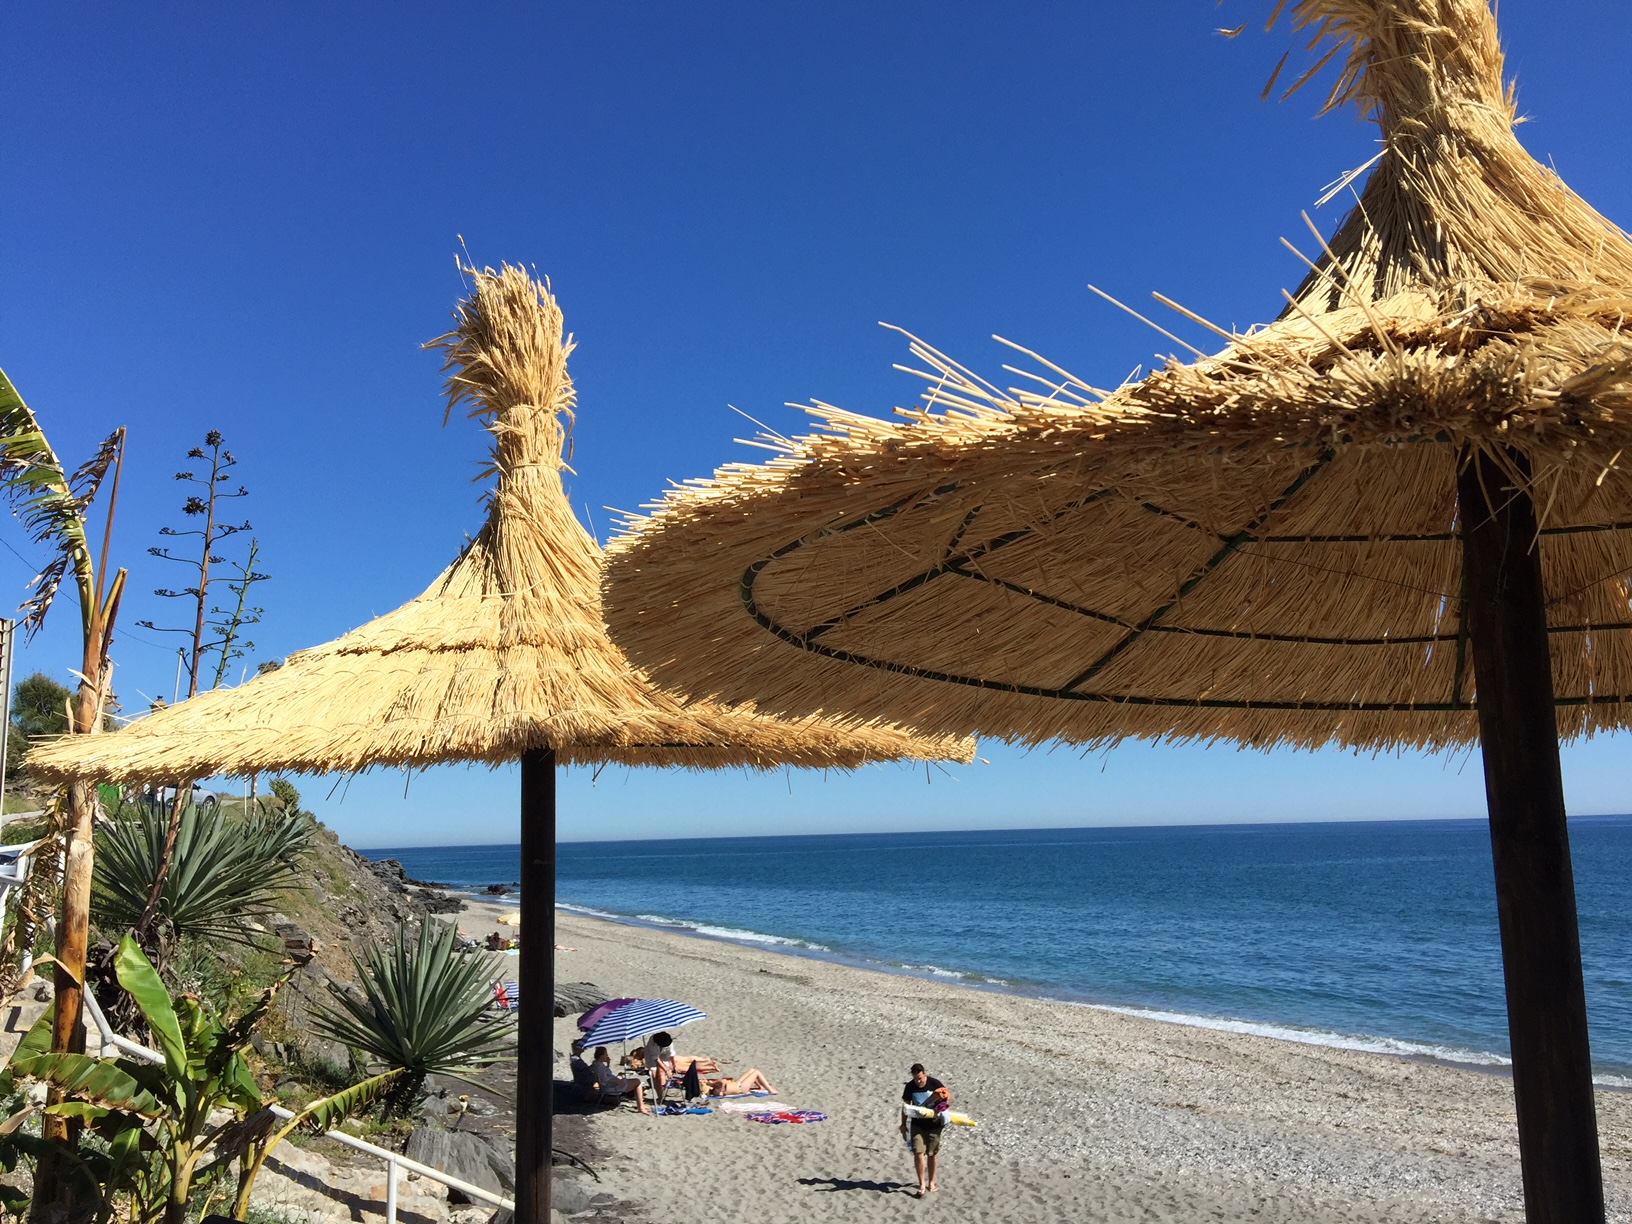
point(658, 1057)
point(751, 1080)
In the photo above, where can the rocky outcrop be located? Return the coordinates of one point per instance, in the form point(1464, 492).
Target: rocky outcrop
point(427, 893)
point(476, 1158)
point(575, 998)
point(291, 1037)
point(302, 1184)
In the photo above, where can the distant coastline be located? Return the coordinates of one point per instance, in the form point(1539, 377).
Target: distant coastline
point(1375, 936)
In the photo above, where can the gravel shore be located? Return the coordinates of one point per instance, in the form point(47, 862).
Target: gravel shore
point(1084, 1113)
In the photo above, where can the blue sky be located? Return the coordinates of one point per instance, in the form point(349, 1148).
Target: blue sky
point(246, 218)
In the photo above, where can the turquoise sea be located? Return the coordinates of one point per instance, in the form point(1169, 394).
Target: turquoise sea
point(1376, 936)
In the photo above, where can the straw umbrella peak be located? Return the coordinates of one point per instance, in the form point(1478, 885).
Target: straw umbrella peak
point(504, 652)
point(1455, 196)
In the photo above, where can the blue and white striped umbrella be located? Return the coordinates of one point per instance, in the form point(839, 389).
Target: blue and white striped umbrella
point(639, 1019)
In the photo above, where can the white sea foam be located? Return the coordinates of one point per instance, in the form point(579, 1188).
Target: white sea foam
point(1344, 1041)
point(587, 911)
point(937, 971)
point(735, 934)
point(1363, 1043)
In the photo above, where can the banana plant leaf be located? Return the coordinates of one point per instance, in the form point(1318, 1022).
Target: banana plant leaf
point(35, 1042)
point(330, 1111)
point(98, 1081)
point(137, 975)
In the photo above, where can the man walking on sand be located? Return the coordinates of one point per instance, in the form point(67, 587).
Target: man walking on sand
point(923, 1133)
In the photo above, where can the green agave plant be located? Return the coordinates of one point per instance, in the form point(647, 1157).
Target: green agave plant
point(225, 874)
point(422, 1010)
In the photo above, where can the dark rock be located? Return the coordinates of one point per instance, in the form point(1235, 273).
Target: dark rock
point(570, 1197)
point(391, 871)
point(298, 944)
point(434, 1106)
point(309, 988)
point(575, 998)
point(439, 902)
point(471, 1157)
point(497, 890)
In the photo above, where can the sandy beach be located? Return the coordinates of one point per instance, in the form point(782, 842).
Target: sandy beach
point(1085, 1114)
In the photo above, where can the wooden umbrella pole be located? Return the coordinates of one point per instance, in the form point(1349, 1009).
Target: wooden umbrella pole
point(535, 1038)
point(1506, 617)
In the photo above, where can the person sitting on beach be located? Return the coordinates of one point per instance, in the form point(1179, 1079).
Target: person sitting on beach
point(581, 1074)
point(611, 1084)
point(751, 1080)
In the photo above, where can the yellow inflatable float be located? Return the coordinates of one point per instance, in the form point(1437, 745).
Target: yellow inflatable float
point(923, 1111)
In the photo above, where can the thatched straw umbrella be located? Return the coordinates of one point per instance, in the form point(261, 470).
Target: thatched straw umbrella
point(1396, 517)
point(505, 656)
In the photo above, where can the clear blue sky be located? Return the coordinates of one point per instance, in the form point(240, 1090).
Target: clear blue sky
point(245, 217)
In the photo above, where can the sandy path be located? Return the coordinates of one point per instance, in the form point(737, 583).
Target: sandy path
point(1086, 1115)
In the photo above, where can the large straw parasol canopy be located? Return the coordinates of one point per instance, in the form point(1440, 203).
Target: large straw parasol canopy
point(506, 651)
point(1321, 533)
point(1259, 544)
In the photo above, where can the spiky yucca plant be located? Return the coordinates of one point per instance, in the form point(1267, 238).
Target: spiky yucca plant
point(226, 872)
point(422, 1010)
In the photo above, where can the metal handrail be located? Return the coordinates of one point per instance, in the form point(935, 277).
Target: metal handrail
point(393, 1160)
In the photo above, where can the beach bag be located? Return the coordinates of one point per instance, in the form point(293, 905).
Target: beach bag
point(693, 1083)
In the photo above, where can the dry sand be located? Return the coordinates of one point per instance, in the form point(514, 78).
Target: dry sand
point(1085, 1114)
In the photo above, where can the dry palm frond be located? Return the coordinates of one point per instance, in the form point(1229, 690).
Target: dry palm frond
point(50, 503)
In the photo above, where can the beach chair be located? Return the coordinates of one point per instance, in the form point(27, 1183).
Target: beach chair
point(507, 996)
point(584, 1080)
point(653, 1094)
point(686, 1086)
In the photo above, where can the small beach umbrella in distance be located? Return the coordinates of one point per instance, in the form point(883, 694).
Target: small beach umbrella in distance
point(1398, 516)
point(641, 1018)
point(504, 657)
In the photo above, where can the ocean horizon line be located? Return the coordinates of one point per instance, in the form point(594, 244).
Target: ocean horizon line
point(1062, 828)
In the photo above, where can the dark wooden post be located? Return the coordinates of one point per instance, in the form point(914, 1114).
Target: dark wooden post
point(1506, 617)
point(535, 1038)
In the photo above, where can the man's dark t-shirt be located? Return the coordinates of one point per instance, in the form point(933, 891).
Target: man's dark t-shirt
point(914, 1095)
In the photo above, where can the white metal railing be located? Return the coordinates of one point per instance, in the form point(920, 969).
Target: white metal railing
point(393, 1160)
